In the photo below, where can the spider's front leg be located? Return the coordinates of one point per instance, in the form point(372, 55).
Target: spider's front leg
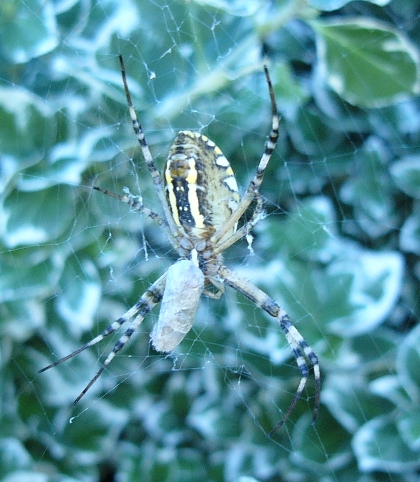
point(137, 205)
point(302, 352)
point(154, 172)
point(244, 230)
point(252, 191)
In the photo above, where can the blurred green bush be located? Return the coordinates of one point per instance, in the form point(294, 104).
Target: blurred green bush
point(339, 248)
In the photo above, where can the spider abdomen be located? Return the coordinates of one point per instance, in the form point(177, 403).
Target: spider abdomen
point(201, 188)
point(184, 285)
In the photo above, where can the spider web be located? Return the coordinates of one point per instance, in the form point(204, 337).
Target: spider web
point(339, 247)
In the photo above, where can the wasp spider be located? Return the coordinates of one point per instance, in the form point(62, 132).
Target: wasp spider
point(201, 209)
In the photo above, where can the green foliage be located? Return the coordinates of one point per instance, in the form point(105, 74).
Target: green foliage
point(356, 52)
point(339, 247)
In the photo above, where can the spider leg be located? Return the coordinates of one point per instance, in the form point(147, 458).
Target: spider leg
point(117, 347)
point(302, 352)
point(254, 185)
point(135, 204)
point(144, 305)
point(245, 229)
point(157, 179)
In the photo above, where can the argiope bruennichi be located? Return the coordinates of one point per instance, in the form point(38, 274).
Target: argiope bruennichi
point(201, 209)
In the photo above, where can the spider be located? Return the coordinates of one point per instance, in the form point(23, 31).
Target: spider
point(201, 209)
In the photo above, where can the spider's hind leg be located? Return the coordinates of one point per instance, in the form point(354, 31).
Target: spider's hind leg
point(143, 306)
point(254, 186)
point(303, 353)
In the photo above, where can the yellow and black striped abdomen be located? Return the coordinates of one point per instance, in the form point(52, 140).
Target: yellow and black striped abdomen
point(201, 188)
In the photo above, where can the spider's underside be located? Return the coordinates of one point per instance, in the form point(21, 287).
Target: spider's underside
point(201, 206)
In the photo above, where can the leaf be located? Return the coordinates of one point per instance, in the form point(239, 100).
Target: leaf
point(406, 174)
point(375, 288)
point(38, 216)
point(351, 402)
point(233, 7)
point(26, 273)
point(408, 360)
point(13, 456)
point(370, 190)
point(27, 29)
point(27, 124)
point(366, 62)
point(410, 234)
point(378, 446)
point(80, 293)
point(328, 5)
point(409, 427)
